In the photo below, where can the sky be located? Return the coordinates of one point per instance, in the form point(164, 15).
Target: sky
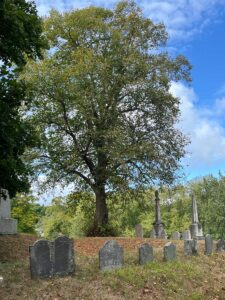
point(196, 30)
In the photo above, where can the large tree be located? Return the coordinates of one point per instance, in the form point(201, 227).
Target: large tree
point(20, 36)
point(102, 103)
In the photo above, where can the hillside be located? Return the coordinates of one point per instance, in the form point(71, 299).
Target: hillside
point(199, 277)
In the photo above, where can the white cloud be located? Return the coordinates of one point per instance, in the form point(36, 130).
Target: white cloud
point(183, 18)
point(207, 135)
point(221, 90)
point(220, 106)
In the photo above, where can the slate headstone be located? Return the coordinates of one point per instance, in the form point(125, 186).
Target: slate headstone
point(40, 259)
point(139, 231)
point(186, 235)
point(153, 233)
point(63, 259)
point(170, 252)
point(220, 246)
point(145, 254)
point(190, 247)
point(208, 244)
point(111, 256)
point(175, 235)
point(163, 234)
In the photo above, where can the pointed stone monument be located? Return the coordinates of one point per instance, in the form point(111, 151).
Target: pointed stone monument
point(160, 232)
point(7, 224)
point(195, 227)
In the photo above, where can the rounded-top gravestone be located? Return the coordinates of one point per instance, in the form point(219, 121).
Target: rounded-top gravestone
point(190, 247)
point(145, 253)
point(220, 245)
point(111, 256)
point(40, 259)
point(170, 252)
point(139, 231)
point(175, 235)
point(208, 244)
point(63, 256)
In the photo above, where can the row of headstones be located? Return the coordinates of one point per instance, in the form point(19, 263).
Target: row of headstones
point(56, 258)
point(176, 235)
point(111, 254)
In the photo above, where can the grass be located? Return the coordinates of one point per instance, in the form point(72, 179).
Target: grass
point(195, 278)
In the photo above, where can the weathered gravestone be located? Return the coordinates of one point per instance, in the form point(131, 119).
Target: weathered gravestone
point(208, 244)
point(63, 259)
point(7, 224)
point(111, 256)
point(153, 233)
point(145, 254)
point(190, 247)
point(139, 231)
point(186, 235)
point(49, 259)
point(170, 252)
point(160, 232)
point(40, 259)
point(195, 227)
point(163, 234)
point(175, 235)
point(220, 246)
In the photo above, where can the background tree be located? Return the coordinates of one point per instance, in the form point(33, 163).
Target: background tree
point(20, 36)
point(102, 103)
point(27, 211)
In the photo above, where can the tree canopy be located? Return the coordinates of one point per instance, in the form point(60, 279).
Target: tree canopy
point(20, 37)
point(101, 101)
point(20, 31)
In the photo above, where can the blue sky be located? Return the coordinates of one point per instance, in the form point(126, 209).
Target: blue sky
point(197, 30)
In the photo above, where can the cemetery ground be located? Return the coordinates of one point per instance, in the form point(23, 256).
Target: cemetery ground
point(190, 277)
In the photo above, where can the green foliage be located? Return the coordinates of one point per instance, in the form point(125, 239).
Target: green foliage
point(104, 112)
point(130, 208)
point(26, 210)
point(15, 134)
point(71, 215)
point(20, 31)
point(20, 36)
point(210, 195)
point(74, 214)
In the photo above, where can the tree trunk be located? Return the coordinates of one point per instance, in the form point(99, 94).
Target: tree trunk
point(101, 215)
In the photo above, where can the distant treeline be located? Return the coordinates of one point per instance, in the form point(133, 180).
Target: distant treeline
point(73, 215)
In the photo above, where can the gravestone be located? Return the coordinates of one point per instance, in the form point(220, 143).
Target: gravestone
point(7, 224)
point(170, 252)
point(63, 259)
point(139, 231)
point(40, 259)
point(111, 256)
point(190, 247)
point(220, 246)
point(175, 235)
point(186, 235)
point(163, 234)
point(49, 259)
point(160, 232)
point(208, 244)
point(1, 281)
point(145, 254)
point(195, 227)
point(152, 234)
